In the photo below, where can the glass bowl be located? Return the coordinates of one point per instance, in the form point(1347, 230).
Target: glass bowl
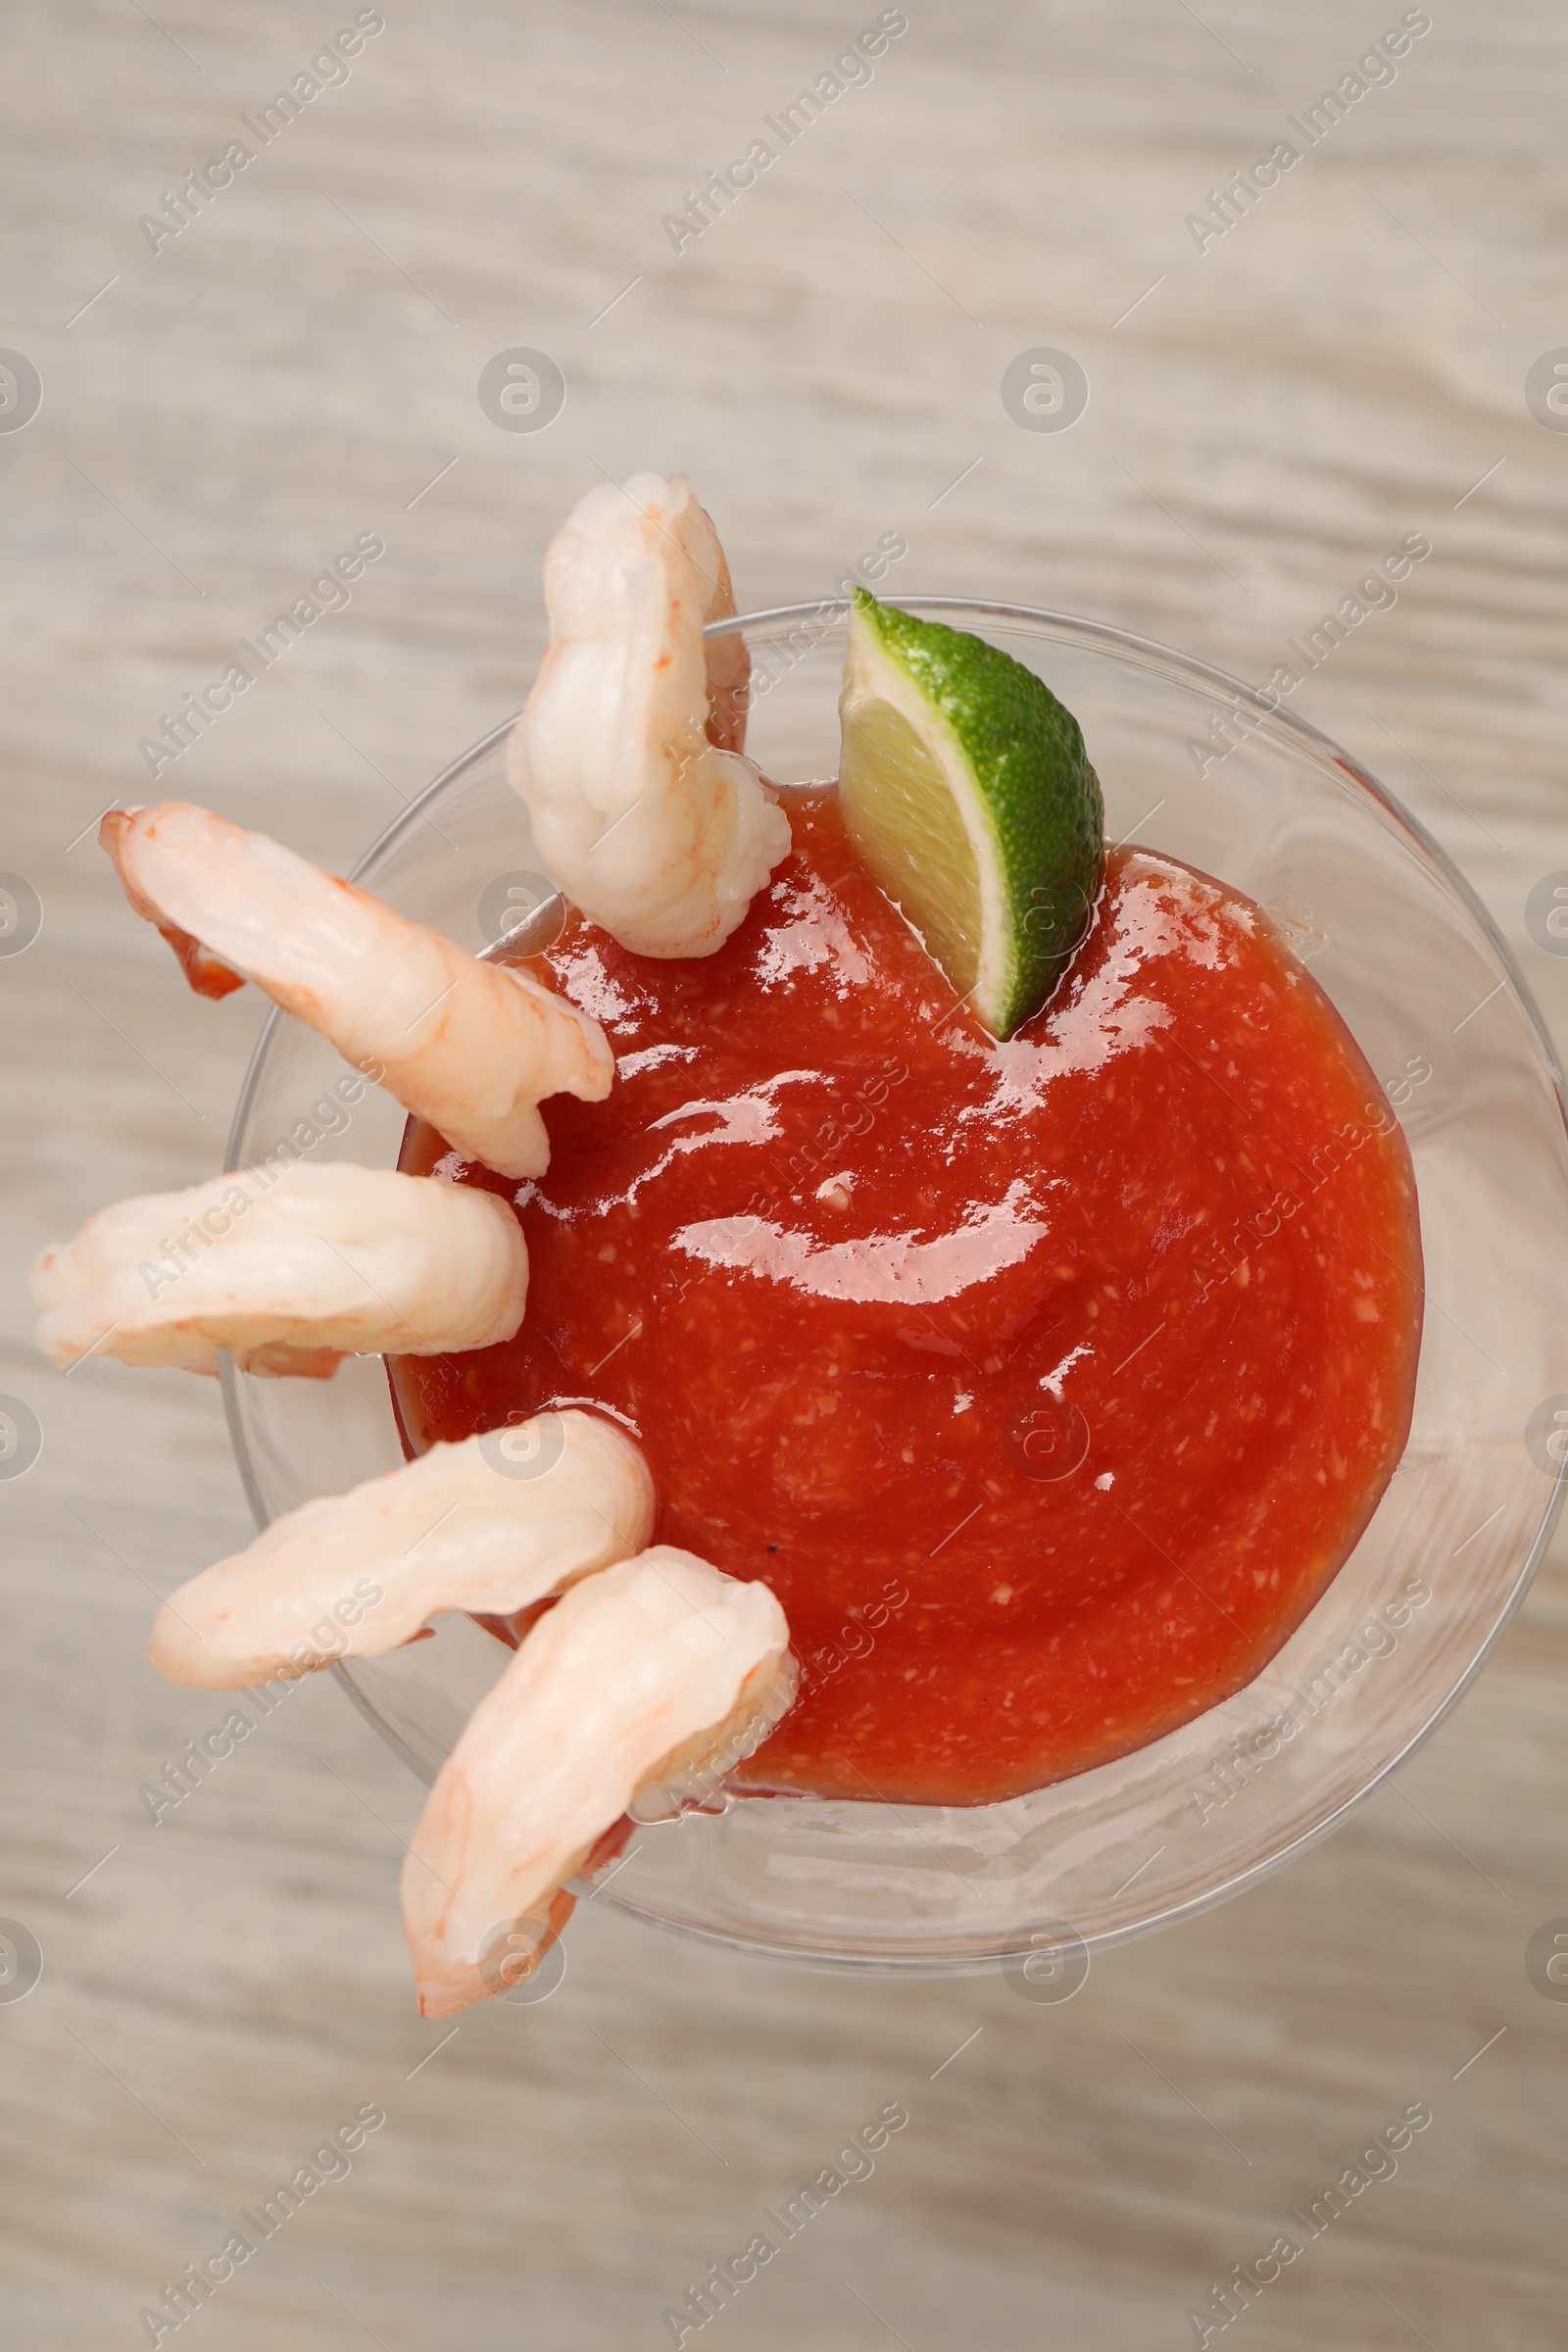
point(1200, 768)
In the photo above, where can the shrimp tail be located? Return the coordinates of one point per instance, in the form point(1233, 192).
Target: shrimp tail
point(512, 1958)
point(727, 662)
point(208, 974)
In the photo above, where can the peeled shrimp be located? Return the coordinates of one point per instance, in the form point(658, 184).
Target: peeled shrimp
point(637, 1676)
point(289, 1271)
point(473, 1047)
point(492, 1524)
point(627, 752)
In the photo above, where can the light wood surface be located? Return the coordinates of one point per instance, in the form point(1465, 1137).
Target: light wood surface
point(294, 368)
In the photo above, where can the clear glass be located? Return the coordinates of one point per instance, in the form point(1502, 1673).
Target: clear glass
point(1419, 974)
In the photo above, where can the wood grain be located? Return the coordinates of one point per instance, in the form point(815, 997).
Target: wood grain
point(294, 368)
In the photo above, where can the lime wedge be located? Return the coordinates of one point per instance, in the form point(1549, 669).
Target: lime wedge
point(965, 786)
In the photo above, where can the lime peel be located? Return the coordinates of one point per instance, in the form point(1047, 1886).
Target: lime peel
point(965, 786)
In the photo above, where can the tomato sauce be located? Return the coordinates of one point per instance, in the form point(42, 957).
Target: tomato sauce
point(1048, 1384)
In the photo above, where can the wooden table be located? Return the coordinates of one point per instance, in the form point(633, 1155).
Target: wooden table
point(298, 366)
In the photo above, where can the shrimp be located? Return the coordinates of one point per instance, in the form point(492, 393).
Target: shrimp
point(473, 1047)
point(289, 1271)
point(492, 1524)
point(642, 1673)
point(627, 752)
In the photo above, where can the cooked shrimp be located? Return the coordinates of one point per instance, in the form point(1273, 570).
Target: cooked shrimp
point(494, 1524)
point(473, 1047)
point(289, 1271)
point(638, 1675)
point(648, 818)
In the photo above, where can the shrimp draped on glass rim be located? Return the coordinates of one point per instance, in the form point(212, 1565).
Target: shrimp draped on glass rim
point(636, 1680)
point(628, 752)
point(492, 1525)
point(641, 1676)
point(473, 1047)
point(289, 1269)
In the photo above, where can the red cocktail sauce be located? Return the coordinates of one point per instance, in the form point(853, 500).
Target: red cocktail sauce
point(1047, 1384)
